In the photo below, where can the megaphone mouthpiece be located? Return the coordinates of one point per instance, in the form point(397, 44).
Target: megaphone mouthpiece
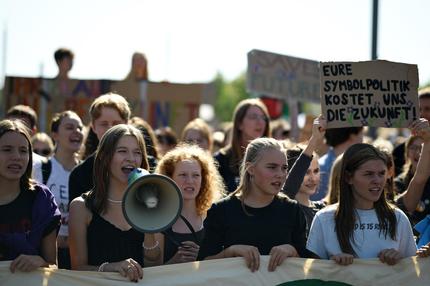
point(148, 195)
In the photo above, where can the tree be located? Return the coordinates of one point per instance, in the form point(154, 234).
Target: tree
point(228, 95)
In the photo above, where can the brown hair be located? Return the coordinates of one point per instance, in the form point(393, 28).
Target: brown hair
point(58, 117)
point(345, 215)
point(103, 158)
point(25, 112)
point(148, 135)
point(239, 113)
point(111, 100)
point(6, 125)
point(332, 196)
point(202, 127)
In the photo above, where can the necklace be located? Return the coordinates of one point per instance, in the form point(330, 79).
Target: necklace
point(114, 201)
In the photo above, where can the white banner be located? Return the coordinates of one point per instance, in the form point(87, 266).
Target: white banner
point(232, 271)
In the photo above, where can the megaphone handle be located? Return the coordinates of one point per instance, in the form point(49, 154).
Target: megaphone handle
point(191, 229)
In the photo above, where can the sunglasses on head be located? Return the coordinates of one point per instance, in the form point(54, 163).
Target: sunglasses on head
point(42, 152)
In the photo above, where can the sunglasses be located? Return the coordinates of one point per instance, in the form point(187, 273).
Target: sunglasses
point(42, 152)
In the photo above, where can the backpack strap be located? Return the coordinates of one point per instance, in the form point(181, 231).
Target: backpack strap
point(46, 170)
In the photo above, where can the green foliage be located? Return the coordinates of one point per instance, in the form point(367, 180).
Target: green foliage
point(229, 93)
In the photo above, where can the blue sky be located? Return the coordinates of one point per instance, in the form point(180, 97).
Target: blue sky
point(190, 40)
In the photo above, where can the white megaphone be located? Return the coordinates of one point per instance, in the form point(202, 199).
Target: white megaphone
point(152, 202)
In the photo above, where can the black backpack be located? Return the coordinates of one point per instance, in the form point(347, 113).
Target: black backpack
point(46, 170)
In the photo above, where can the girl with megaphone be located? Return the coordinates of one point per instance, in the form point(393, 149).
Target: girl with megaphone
point(100, 237)
point(197, 177)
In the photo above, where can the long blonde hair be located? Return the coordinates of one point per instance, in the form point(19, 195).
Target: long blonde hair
point(253, 153)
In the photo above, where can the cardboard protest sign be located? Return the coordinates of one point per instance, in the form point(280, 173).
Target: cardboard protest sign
point(73, 94)
point(282, 76)
point(131, 90)
point(22, 90)
point(161, 104)
point(173, 105)
point(373, 93)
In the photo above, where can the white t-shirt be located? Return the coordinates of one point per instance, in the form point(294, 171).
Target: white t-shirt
point(368, 241)
point(37, 168)
point(58, 183)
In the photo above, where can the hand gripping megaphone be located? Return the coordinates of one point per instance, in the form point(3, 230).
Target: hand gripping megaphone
point(152, 202)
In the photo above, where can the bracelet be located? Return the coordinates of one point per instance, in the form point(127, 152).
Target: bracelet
point(152, 247)
point(102, 266)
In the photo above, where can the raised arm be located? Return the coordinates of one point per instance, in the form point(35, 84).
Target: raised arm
point(298, 171)
point(414, 191)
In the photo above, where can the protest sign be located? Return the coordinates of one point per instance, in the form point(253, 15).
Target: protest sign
point(172, 104)
point(373, 93)
point(159, 103)
point(282, 76)
point(162, 103)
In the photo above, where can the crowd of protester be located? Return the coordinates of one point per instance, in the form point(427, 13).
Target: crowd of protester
point(61, 193)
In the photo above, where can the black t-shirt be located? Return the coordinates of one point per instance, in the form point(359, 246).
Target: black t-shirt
point(228, 169)
point(280, 222)
point(81, 178)
point(15, 217)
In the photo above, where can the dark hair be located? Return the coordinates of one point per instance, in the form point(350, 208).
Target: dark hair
point(25, 112)
point(63, 53)
point(17, 126)
point(389, 189)
point(166, 135)
point(337, 136)
point(148, 135)
point(90, 143)
point(234, 148)
point(345, 215)
point(58, 117)
point(97, 197)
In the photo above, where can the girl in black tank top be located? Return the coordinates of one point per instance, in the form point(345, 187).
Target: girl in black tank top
point(100, 237)
point(194, 171)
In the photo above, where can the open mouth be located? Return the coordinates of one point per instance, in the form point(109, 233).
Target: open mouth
point(14, 167)
point(75, 140)
point(127, 169)
point(310, 186)
point(375, 190)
